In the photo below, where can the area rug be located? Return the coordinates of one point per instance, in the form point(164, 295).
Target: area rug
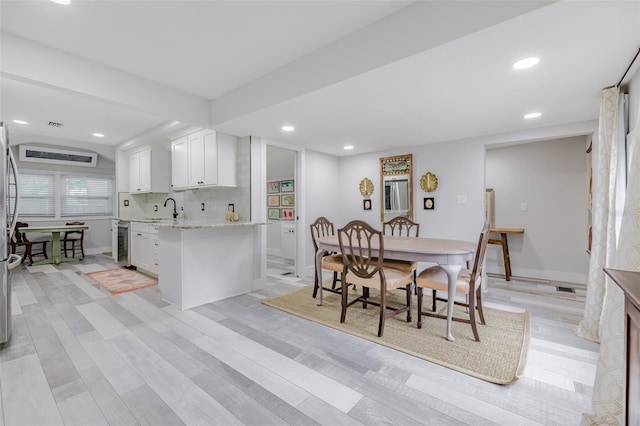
point(499, 357)
point(120, 280)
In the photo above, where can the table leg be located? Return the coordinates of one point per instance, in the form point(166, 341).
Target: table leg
point(505, 255)
point(452, 276)
point(56, 255)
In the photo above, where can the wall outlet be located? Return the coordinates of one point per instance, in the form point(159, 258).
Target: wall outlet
point(523, 206)
point(126, 203)
point(155, 207)
point(202, 206)
point(461, 199)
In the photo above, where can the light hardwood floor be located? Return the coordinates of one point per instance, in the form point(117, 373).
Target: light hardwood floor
point(82, 356)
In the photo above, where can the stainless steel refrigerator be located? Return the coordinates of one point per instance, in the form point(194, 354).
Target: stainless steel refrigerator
point(8, 217)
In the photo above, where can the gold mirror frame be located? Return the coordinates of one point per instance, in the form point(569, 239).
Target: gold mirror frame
point(396, 172)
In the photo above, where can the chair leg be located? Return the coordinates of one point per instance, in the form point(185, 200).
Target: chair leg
point(419, 290)
point(409, 295)
point(315, 284)
point(345, 290)
point(479, 305)
point(335, 280)
point(81, 249)
point(472, 318)
point(383, 308)
point(365, 296)
point(434, 294)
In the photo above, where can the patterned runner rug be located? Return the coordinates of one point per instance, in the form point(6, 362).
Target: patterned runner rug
point(499, 357)
point(120, 280)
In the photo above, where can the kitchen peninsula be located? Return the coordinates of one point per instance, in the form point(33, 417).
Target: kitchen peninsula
point(203, 261)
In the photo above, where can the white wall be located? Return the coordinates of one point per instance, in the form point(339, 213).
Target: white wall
point(460, 170)
point(550, 177)
point(323, 196)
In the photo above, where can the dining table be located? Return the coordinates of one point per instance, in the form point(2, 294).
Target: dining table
point(55, 230)
point(451, 255)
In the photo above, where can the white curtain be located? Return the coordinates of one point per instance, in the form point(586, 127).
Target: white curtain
point(603, 242)
point(608, 392)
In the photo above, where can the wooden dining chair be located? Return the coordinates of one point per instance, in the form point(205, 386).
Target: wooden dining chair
point(469, 283)
point(30, 248)
point(322, 227)
point(73, 240)
point(402, 226)
point(357, 240)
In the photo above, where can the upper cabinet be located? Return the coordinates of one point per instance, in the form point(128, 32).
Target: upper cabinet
point(201, 159)
point(149, 171)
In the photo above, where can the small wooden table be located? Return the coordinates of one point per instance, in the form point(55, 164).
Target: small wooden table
point(56, 254)
point(505, 247)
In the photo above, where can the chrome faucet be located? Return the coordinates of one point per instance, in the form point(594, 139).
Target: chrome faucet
point(175, 212)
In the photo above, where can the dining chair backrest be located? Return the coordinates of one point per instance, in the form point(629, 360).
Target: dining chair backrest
point(357, 240)
point(80, 232)
point(321, 228)
point(401, 226)
point(18, 236)
point(483, 241)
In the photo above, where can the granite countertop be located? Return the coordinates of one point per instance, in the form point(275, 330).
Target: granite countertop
point(190, 224)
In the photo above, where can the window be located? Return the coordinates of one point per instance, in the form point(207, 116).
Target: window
point(58, 195)
point(86, 196)
point(37, 194)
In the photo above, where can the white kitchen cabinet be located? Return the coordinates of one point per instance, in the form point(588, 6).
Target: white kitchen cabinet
point(180, 163)
point(202, 159)
point(149, 171)
point(144, 247)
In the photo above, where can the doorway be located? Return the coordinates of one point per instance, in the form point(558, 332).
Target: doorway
point(282, 209)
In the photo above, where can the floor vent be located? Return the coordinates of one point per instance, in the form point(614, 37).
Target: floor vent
point(566, 289)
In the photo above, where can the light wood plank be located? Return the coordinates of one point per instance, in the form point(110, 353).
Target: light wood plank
point(84, 285)
point(81, 410)
point(26, 396)
point(101, 320)
point(120, 376)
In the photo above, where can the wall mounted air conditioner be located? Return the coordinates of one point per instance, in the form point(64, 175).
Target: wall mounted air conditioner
point(39, 154)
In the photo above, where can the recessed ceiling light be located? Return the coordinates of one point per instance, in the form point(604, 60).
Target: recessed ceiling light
point(288, 128)
point(525, 63)
point(20, 122)
point(348, 147)
point(532, 115)
point(98, 135)
point(64, 2)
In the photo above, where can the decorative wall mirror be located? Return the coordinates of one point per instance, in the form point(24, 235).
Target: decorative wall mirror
point(396, 183)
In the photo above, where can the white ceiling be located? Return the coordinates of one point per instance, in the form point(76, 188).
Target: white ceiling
point(374, 74)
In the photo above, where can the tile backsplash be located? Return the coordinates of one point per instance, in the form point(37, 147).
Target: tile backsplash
point(215, 199)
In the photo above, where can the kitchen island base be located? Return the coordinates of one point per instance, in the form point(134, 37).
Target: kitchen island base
point(203, 265)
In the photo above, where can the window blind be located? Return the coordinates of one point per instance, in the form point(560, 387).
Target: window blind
point(37, 194)
point(86, 195)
